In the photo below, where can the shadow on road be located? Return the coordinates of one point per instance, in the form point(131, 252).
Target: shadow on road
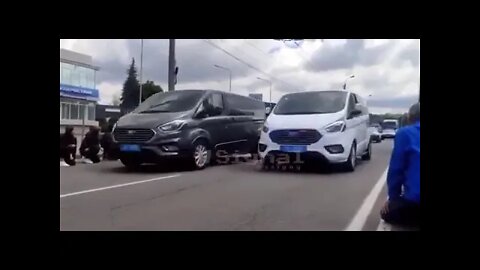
point(309, 168)
point(149, 169)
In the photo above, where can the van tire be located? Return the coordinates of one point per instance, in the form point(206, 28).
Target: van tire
point(368, 154)
point(351, 163)
point(201, 155)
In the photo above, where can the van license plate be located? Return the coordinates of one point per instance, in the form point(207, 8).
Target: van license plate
point(130, 148)
point(293, 148)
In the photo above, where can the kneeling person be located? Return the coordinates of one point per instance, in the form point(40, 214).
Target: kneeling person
point(90, 146)
point(68, 146)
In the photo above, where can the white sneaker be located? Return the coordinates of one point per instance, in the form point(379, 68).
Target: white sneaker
point(64, 164)
point(87, 161)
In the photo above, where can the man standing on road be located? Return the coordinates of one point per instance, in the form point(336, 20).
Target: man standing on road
point(403, 179)
point(91, 146)
point(68, 147)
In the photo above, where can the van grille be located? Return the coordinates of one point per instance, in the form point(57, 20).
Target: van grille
point(124, 135)
point(295, 136)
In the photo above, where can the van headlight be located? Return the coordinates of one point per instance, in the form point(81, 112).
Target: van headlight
point(172, 126)
point(338, 126)
point(265, 128)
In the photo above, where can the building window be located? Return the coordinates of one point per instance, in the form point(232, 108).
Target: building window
point(74, 109)
point(77, 76)
point(65, 107)
point(77, 111)
point(91, 112)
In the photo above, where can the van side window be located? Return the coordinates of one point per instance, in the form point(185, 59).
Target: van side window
point(355, 99)
point(214, 103)
point(351, 103)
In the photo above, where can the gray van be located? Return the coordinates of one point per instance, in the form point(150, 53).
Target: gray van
point(196, 126)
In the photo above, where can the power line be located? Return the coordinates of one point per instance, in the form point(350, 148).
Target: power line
point(255, 47)
point(247, 64)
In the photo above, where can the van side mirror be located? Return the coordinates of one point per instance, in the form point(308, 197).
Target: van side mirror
point(201, 114)
point(354, 113)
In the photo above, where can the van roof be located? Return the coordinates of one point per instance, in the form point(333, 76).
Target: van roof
point(218, 91)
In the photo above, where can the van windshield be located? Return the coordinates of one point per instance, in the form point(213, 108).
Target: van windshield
point(311, 103)
point(389, 125)
point(174, 101)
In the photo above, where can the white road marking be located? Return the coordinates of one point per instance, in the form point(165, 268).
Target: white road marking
point(383, 226)
point(363, 212)
point(118, 186)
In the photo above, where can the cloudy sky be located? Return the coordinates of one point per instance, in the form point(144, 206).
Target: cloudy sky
point(389, 70)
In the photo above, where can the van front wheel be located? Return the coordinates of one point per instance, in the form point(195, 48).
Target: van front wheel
point(201, 155)
point(368, 153)
point(351, 163)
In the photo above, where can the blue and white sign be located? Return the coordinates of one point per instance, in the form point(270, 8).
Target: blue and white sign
point(79, 92)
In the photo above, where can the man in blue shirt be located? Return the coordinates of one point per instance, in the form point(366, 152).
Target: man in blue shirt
point(403, 179)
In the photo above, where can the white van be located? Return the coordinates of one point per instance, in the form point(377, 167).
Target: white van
point(390, 127)
point(329, 125)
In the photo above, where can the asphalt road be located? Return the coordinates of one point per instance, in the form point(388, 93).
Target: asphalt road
point(226, 197)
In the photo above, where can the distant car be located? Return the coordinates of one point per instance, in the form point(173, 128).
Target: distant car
point(390, 127)
point(375, 131)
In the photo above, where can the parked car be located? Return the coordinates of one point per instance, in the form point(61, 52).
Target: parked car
point(192, 125)
point(325, 125)
point(375, 131)
point(390, 127)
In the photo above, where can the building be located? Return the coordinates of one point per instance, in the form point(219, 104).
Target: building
point(78, 92)
point(107, 114)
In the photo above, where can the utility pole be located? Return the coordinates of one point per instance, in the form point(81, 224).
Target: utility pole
point(141, 72)
point(171, 65)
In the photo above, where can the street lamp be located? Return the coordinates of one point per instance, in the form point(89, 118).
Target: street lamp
point(230, 75)
point(270, 87)
point(345, 83)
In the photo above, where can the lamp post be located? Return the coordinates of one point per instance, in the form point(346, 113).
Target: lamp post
point(230, 75)
point(345, 83)
point(270, 87)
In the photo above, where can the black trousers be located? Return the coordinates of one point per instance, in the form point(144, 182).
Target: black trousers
point(68, 155)
point(91, 153)
point(403, 212)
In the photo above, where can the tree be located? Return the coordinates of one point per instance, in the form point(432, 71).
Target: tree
point(131, 90)
point(150, 88)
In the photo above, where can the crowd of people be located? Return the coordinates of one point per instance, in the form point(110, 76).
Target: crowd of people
point(93, 148)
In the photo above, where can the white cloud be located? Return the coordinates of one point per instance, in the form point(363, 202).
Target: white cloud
point(387, 69)
point(108, 91)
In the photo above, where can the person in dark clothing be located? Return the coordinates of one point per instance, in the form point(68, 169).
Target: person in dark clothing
point(107, 144)
point(68, 146)
point(91, 145)
point(403, 179)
